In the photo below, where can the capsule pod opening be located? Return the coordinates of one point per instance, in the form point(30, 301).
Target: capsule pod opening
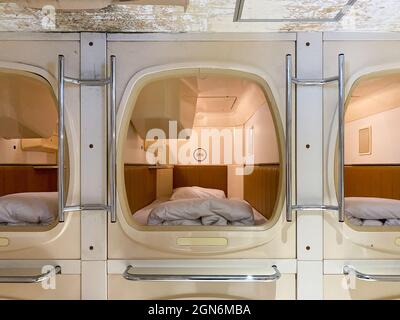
point(372, 153)
point(28, 144)
point(201, 149)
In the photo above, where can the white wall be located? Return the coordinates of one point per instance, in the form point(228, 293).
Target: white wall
point(385, 139)
point(265, 139)
point(134, 147)
point(9, 155)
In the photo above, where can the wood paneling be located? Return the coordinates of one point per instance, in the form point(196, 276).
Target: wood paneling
point(261, 188)
point(214, 177)
point(141, 186)
point(16, 179)
point(380, 181)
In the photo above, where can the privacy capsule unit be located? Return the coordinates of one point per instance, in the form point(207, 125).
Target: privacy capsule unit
point(208, 149)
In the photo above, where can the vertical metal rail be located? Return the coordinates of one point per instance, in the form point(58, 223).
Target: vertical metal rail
point(111, 141)
point(60, 160)
point(289, 166)
point(290, 80)
point(341, 99)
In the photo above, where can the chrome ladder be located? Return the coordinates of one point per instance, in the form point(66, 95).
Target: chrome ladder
point(111, 137)
point(290, 80)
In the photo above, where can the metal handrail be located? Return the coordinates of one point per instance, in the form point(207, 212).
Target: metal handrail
point(112, 170)
point(318, 82)
point(350, 270)
point(88, 82)
point(62, 79)
point(289, 166)
point(198, 277)
point(60, 160)
point(315, 208)
point(341, 103)
point(31, 279)
point(290, 80)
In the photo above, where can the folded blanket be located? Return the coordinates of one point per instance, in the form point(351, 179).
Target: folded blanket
point(354, 221)
point(372, 223)
point(372, 208)
point(219, 212)
point(392, 222)
point(29, 208)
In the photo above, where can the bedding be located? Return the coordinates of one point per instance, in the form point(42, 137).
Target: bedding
point(207, 212)
point(368, 211)
point(29, 208)
point(197, 193)
point(142, 215)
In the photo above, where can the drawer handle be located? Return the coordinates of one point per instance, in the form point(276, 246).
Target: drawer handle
point(31, 279)
point(198, 277)
point(349, 270)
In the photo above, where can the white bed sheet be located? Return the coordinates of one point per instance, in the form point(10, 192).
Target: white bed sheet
point(142, 215)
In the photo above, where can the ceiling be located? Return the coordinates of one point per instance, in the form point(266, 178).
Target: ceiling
point(205, 16)
point(374, 95)
point(199, 100)
point(226, 100)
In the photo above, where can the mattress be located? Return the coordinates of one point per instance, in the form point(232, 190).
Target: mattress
point(142, 215)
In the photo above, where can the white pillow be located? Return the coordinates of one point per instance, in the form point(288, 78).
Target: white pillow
point(372, 208)
point(33, 207)
point(197, 193)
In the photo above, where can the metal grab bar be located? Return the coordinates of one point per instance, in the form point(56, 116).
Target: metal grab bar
point(31, 279)
point(88, 83)
point(341, 98)
point(111, 111)
point(318, 82)
point(197, 277)
point(112, 142)
point(60, 160)
point(290, 80)
point(87, 207)
point(315, 208)
point(350, 270)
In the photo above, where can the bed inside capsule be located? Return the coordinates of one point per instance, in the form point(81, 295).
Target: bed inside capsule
point(202, 150)
point(372, 152)
point(28, 151)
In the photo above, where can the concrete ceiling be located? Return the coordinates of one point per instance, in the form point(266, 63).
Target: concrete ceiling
point(206, 16)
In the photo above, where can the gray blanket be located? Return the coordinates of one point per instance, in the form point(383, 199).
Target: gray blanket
point(207, 212)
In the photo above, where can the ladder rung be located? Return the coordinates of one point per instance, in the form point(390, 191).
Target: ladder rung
point(94, 207)
point(88, 82)
point(315, 208)
point(317, 82)
point(87, 207)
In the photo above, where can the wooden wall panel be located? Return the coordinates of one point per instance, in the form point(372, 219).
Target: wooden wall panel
point(380, 181)
point(214, 177)
point(141, 186)
point(16, 179)
point(261, 188)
